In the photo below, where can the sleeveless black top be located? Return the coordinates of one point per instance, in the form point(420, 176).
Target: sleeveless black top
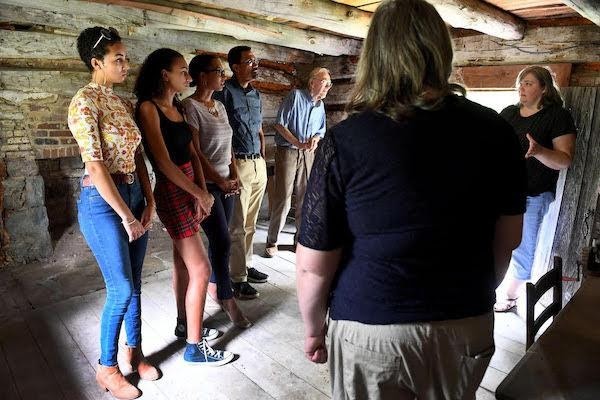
point(177, 137)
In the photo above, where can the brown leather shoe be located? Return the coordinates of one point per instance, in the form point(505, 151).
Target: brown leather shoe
point(111, 379)
point(134, 360)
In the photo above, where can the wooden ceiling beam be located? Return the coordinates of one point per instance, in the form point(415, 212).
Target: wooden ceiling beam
point(564, 44)
point(480, 16)
point(587, 8)
point(350, 21)
point(175, 15)
point(137, 16)
point(322, 14)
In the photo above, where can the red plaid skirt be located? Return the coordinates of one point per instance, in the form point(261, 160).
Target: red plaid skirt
point(175, 207)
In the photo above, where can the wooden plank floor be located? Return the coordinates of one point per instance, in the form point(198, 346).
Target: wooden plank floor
point(52, 352)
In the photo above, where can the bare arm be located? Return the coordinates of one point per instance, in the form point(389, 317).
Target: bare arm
point(559, 157)
point(315, 272)
point(107, 189)
point(507, 237)
point(233, 172)
point(205, 202)
point(289, 136)
point(261, 135)
point(197, 167)
point(150, 123)
point(208, 170)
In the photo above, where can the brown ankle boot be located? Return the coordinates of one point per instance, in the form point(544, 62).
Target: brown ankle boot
point(134, 360)
point(111, 379)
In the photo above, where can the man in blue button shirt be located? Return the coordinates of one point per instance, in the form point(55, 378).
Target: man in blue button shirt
point(243, 106)
point(300, 125)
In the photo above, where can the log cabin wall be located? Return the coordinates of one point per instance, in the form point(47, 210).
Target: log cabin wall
point(40, 71)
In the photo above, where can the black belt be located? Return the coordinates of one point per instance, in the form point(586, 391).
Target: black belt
point(247, 156)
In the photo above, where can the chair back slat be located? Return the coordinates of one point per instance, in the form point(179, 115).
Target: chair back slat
point(550, 280)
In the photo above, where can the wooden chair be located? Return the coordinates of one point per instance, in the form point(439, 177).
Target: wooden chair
point(551, 279)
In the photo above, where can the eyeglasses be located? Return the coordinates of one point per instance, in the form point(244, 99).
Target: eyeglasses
point(251, 61)
point(105, 34)
point(219, 71)
point(326, 82)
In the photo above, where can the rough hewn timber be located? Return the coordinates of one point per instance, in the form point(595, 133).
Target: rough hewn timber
point(480, 16)
point(65, 18)
point(322, 14)
point(574, 225)
point(573, 44)
point(350, 21)
point(588, 8)
point(173, 15)
point(34, 46)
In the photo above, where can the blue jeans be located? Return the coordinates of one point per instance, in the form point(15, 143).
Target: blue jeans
point(216, 228)
point(120, 263)
point(523, 256)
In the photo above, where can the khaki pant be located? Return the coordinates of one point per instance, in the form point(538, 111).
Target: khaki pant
point(253, 181)
point(443, 360)
point(292, 169)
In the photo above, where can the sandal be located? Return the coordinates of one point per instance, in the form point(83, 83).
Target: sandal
point(505, 305)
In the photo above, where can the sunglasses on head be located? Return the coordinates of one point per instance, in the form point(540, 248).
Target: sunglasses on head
point(107, 34)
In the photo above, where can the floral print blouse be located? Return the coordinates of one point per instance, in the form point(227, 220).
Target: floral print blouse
point(102, 124)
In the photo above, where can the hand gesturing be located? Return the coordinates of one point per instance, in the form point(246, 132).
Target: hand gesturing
point(534, 147)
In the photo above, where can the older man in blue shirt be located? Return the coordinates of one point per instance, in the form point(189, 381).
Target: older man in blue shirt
point(300, 125)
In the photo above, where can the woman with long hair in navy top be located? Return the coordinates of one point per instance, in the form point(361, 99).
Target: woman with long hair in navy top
point(182, 200)
point(412, 209)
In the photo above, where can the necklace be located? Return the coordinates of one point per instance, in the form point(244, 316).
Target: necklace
point(210, 106)
point(212, 110)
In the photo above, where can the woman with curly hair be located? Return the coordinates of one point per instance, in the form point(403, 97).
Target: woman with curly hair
point(182, 200)
point(115, 204)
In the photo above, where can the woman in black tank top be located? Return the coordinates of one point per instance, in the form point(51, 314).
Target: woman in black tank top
point(182, 200)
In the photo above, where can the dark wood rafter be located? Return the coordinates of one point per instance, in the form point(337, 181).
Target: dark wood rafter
point(503, 77)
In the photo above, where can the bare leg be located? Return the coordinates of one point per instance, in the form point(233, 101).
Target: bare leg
point(507, 299)
point(235, 314)
point(180, 282)
point(230, 307)
point(194, 256)
point(512, 287)
point(212, 292)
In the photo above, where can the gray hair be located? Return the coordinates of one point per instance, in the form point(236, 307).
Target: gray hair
point(315, 72)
